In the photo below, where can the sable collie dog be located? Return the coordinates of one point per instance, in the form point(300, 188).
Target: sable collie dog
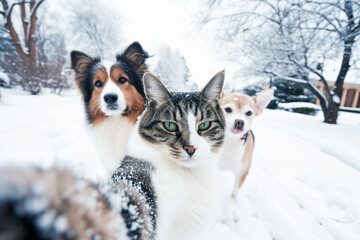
point(240, 111)
point(113, 96)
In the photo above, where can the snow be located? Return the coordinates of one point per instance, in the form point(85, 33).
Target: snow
point(298, 105)
point(336, 99)
point(304, 182)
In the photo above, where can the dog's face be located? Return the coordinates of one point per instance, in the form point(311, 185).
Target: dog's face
point(240, 110)
point(111, 89)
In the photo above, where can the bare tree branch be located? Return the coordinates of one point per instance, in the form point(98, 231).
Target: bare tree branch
point(5, 5)
point(24, 20)
point(13, 34)
point(30, 37)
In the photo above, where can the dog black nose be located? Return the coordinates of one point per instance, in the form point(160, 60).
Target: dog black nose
point(239, 124)
point(111, 98)
point(190, 149)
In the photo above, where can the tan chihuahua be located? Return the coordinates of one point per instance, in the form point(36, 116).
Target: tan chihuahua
point(238, 147)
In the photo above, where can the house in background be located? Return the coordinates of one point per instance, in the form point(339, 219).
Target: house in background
point(349, 97)
point(289, 91)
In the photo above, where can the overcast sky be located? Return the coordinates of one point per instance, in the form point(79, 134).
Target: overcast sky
point(171, 22)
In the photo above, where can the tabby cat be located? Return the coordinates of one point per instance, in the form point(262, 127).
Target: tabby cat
point(180, 135)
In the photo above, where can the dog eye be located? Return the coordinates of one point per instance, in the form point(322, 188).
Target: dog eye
point(204, 126)
point(122, 80)
point(98, 84)
point(248, 113)
point(228, 110)
point(171, 127)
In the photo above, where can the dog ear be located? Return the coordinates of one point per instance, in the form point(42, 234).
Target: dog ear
point(262, 100)
point(136, 57)
point(214, 87)
point(79, 61)
point(155, 91)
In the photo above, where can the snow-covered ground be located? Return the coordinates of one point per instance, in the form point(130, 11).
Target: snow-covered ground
point(304, 182)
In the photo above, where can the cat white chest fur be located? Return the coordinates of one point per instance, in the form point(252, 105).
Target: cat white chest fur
point(185, 197)
point(111, 138)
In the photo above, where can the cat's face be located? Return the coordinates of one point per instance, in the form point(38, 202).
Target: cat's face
point(188, 126)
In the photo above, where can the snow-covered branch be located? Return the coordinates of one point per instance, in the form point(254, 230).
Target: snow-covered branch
point(279, 75)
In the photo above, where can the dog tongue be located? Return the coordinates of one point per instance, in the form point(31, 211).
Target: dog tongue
point(236, 131)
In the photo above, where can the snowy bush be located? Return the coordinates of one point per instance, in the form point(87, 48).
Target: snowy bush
point(300, 107)
point(4, 80)
point(252, 90)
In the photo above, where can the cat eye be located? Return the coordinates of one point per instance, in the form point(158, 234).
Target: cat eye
point(228, 110)
point(171, 127)
point(98, 84)
point(204, 126)
point(122, 80)
point(248, 113)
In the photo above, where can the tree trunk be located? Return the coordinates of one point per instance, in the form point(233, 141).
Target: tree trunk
point(28, 57)
point(349, 40)
point(331, 113)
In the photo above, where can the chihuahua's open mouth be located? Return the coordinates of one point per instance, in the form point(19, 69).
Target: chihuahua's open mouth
point(236, 130)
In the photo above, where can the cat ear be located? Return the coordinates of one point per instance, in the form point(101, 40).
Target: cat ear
point(155, 91)
point(262, 100)
point(214, 87)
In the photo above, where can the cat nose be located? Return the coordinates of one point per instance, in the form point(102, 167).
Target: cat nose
point(190, 149)
point(239, 124)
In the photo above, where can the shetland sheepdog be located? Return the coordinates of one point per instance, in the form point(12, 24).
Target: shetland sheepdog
point(113, 97)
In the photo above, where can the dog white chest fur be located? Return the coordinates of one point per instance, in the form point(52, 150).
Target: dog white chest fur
point(185, 197)
point(111, 138)
point(232, 153)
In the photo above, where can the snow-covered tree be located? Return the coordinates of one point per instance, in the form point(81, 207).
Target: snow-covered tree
point(24, 38)
point(95, 27)
point(9, 58)
point(291, 39)
point(173, 71)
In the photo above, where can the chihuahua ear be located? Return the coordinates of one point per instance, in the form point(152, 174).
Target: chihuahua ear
point(262, 100)
point(136, 57)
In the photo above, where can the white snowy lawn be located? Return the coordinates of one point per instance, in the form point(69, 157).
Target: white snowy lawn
point(304, 182)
